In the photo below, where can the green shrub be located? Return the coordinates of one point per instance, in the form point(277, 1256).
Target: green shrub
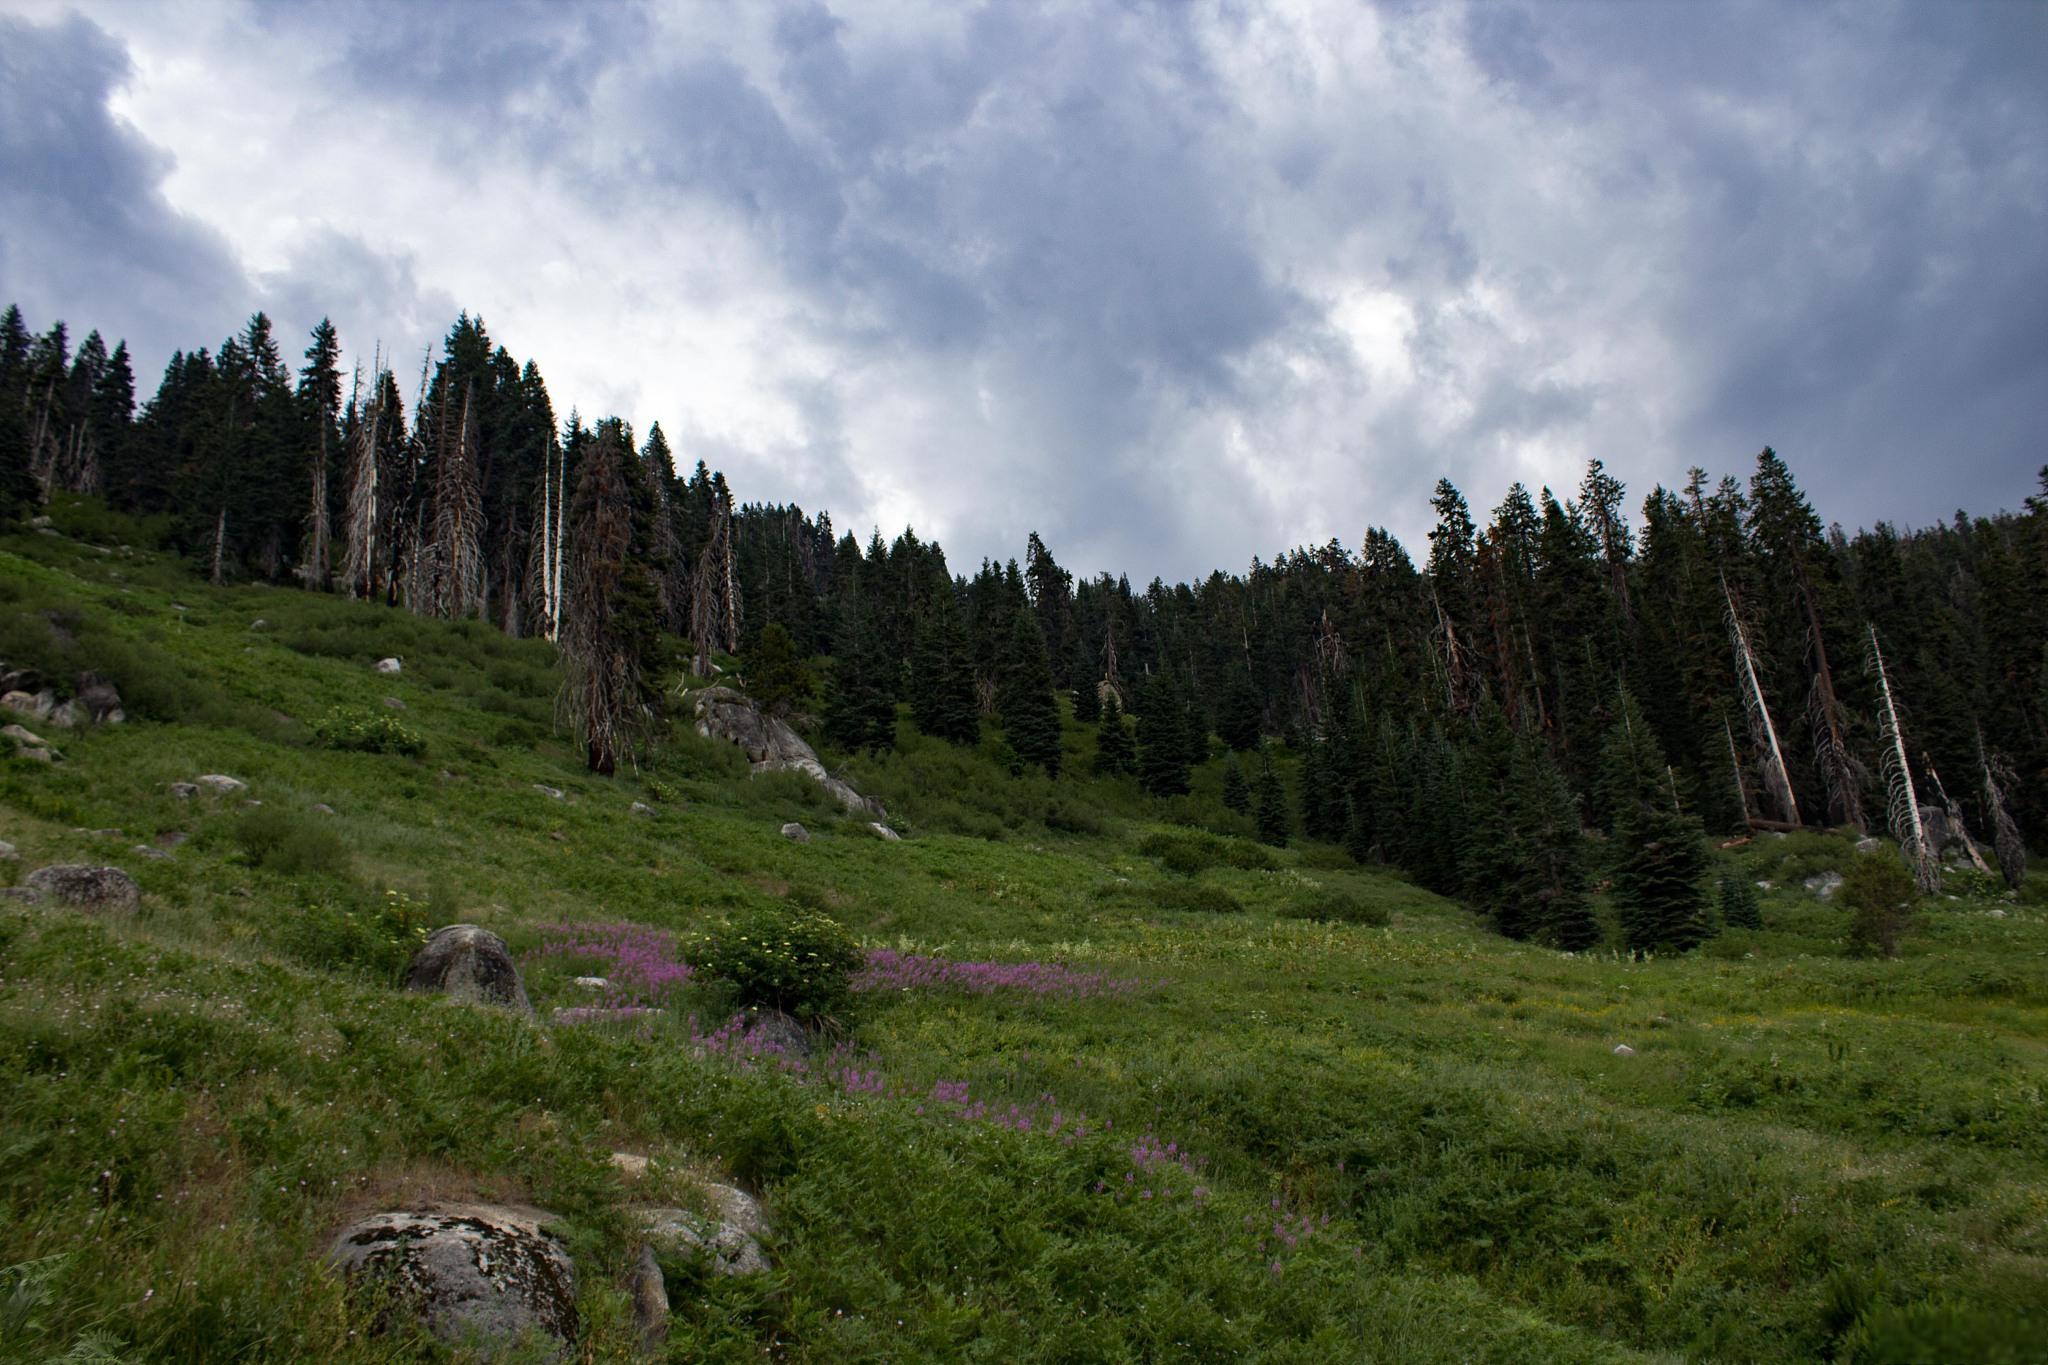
point(1739, 908)
point(373, 937)
point(280, 841)
point(1197, 851)
point(1326, 858)
point(1337, 907)
point(1195, 898)
point(1880, 894)
point(367, 732)
point(785, 958)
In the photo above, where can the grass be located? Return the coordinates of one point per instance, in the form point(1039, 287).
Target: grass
point(1411, 1139)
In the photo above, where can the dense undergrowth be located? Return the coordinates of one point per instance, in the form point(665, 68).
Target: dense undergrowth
point(1294, 1109)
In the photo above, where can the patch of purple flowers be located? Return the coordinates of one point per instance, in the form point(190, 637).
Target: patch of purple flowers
point(889, 970)
point(641, 964)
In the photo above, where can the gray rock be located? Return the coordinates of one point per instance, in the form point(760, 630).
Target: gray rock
point(1869, 844)
point(641, 808)
point(7, 852)
point(259, 624)
point(1996, 913)
point(393, 704)
point(391, 665)
point(1824, 884)
point(150, 851)
point(68, 715)
point(23, 737)
point(184, 791)
point(774, 1031)
point(1624, 1050)
point(25, 895)
point(729, 1237)
point(771, 746)
point(88, 888)
point(102, 704)
point(591, 983)
point(650, 1301)
point(481, 1274)
point(553, 793)
point(23, 703)
point(796, 833)
point(323, 808)
point(220, 783)
point(882, 831)
point(469, 963)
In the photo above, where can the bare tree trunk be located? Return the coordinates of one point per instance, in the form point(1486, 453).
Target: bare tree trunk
point(1837, 771)
point(1955, 815)
point(1735, 767)
point(220, 540)
point(1903, 804)
point(1762, 732)
point(2006, 841)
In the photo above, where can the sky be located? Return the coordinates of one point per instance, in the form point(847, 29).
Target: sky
point(1172, 284)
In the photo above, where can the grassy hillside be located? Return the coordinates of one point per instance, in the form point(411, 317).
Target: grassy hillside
point(1234, 1132)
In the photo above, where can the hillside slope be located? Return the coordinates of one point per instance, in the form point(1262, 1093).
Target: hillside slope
point(1406, 1140)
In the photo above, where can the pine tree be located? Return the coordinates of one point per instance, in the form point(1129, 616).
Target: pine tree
point(1269, 795)
point(1662, 853)
point(1237, 717)
point(776, 677)
point(1739, 908)
point(1113, 749)
point(1237, 793)
point(1162, 740)
point(1551, 873)
point(942, 673)
point(860, 705)
point(320, 397)
point(604, 639)
point(1024, 698)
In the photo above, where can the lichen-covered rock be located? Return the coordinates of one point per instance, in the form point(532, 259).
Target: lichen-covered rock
point(7, 853)
point(796, 833)
point(883, 832)
point(480, 1274)
point(774, 1031)
point(221, 784)
point(26, 704)
point(1824, 884)
point(184, 791)
point(650, 1301)
point(25, 743)
point(88, 888)
point(391, 665)
point(466, 962)
point(771, 746)
point(729, 1236)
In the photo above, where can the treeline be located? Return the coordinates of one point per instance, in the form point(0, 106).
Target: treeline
point(1721, 656)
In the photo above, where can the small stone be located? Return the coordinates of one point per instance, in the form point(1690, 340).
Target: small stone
point(730, 1240)
point(23, 737)
point(220, 783)
point(25, 703)
point(393, 704)
point(591, 983)
point(650, 1301)
point(1996, 913)
point(552, 793)
point(36, 755)
point(252, 803)
point(630, 1164)
point(184, 791)
point(882, 831)
point(391, 665)
point(68, 715)
point(323, 808)
point(796, 833)
point(1869, 844)
point(7, 853)
point(150, 851)
point(1824, 884)
point(1624, 1050)
point(641, 808)
point(259, 624)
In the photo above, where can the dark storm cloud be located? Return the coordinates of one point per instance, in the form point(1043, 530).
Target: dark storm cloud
point(85, 232)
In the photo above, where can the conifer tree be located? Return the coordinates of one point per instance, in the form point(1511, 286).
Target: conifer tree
point(1550, 872)
point(776, 677)
point(1113, 749)
point(1661, 852)
point(1269, 795)
point(610, 612)
point(1237, 717)
point(1024, 698)
point(860, 705)
point(1237, 793)
point(942, 673)
point(1739, 908)
point(1162, 740)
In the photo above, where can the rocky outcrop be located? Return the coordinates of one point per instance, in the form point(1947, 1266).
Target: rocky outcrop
point(87, 888)
point(771, 746)
point(465, 962)
point(1824, 884)
point(26, 743)
point(220, 784)
point(478, 1274)
point(728, 1237)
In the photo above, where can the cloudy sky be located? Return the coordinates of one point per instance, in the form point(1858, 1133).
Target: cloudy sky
point(1173, 284)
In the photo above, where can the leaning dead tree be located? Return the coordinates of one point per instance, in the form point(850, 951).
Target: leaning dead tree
point(1954, 812)
point(1902, 804)
point(1763, 734)
point(2005, 832)
point(458, 516)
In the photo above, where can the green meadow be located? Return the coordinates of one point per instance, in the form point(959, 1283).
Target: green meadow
point(1299, 1110)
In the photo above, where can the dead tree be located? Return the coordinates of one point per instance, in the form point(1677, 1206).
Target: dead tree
point(1902, 804)
point(458, 515)
point(2005, 832)
point(603, 683)
point(359, 539)
point(1762, 733)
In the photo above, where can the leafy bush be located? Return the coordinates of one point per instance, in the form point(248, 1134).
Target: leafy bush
point(1196, 851)
point(293, 845)
point(1195, 898)
point(1880, 894)
point(1337, 907)
point(785, 958)
point(375, 938)
point(367, 732)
